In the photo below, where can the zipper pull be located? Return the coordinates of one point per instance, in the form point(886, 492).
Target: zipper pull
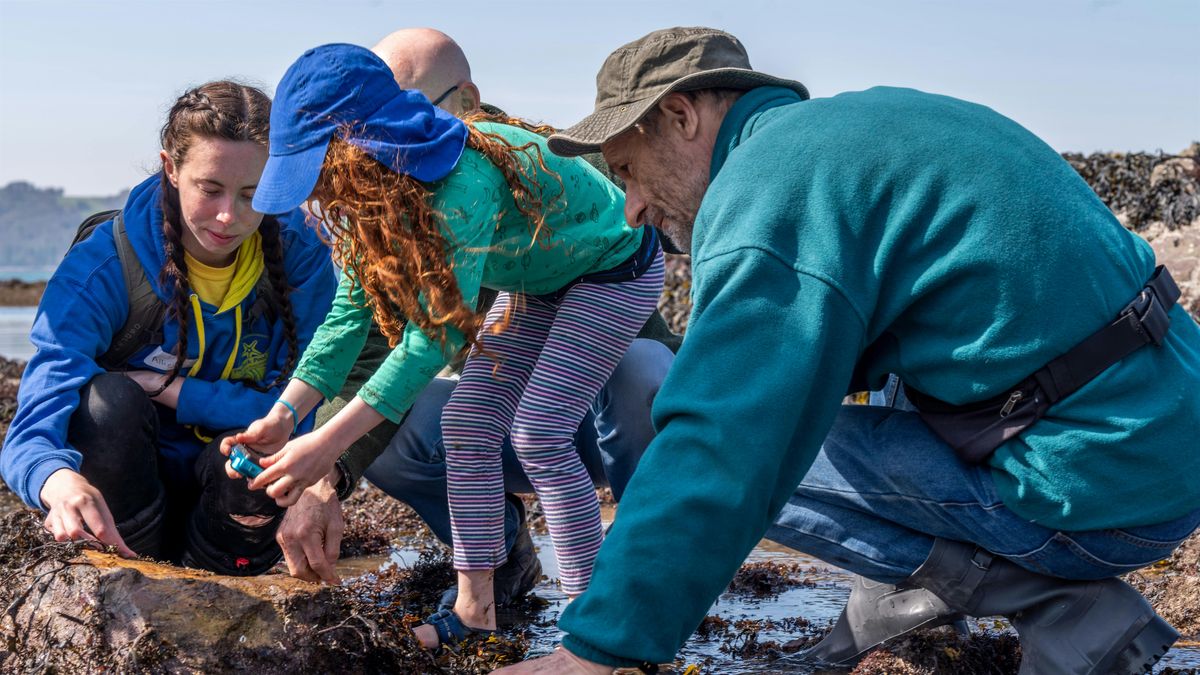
point(1011, 403)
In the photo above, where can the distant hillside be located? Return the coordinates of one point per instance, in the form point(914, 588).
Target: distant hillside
point(37, 224)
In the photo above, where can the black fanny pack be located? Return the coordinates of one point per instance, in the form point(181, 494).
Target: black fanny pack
point(631, 268)
point(975, 430)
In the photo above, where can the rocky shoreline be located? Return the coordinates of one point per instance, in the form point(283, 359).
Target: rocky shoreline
point(17, 293)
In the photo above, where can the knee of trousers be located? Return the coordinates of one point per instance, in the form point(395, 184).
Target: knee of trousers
point(115, 429)
point(469, 431)
point(538, 446)
point(221, 494)
point(114, 416)
point(639, 374)
point(216, 540)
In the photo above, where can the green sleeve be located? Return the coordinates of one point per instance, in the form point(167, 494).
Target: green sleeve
point(417, 359)
point(337, 343)
point(742, 414)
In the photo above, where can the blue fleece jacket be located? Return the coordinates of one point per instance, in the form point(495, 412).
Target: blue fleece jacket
point(885, 231)
point(86, 303)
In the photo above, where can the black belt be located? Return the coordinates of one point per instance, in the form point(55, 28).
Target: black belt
point(975, 430)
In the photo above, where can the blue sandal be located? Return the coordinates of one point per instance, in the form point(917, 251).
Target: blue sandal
point(451, 630)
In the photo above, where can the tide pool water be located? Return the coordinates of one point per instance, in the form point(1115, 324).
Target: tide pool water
point(819, 602)
point(15, 323)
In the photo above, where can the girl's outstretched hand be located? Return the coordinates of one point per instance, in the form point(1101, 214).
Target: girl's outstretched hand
point(301, 463)
point(266, 435)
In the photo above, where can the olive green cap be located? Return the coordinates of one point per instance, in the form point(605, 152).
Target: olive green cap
point(637, 76)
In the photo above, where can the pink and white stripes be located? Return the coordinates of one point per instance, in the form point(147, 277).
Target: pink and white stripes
point(553, 360)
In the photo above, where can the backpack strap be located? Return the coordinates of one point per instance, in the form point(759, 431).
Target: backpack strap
point(146, 311)
point(90, 224)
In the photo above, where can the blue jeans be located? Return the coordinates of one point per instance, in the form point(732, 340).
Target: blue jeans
point(883, 487)
point(610, 440)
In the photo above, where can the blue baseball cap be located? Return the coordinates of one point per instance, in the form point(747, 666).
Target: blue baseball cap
point(348, 90)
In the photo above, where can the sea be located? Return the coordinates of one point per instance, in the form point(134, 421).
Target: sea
point(26, 272)
point(15, 323)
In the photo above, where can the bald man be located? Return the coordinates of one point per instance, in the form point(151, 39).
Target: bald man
point(407, 461)
point(430, 61)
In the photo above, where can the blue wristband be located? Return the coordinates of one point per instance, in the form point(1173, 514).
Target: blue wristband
point(295, 417)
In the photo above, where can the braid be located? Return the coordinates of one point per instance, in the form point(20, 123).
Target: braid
point(272, 246)
point(225, 110)
point(174, 273)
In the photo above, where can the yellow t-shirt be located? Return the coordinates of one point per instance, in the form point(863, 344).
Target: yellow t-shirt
point(212, 284)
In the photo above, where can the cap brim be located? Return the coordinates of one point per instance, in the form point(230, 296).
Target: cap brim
point(288, 180)
point(607, 123)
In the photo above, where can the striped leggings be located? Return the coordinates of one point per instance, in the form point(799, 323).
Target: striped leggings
point(553, 358)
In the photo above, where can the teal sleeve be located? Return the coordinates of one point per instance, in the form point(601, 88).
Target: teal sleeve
point(337, 342)
point(741, 415)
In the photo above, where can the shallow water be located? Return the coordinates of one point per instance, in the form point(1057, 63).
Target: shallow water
point(15, 323)
point(819, 603)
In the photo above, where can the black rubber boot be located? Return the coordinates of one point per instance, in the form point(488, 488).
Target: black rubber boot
point(1064, 626)
point(215, 540)
point(521, 572)
point(518, 575)
point(875, 614)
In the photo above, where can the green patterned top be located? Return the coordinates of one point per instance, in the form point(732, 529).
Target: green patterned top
point(491, 248)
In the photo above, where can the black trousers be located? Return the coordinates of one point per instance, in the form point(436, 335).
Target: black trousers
point(116, 428)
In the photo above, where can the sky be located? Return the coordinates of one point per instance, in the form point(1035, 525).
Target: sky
point(85, 85)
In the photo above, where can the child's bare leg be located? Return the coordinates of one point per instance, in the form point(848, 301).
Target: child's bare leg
point(475, 607)
point(476, 604)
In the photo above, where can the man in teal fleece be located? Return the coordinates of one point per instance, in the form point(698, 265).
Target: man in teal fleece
point(835, 241)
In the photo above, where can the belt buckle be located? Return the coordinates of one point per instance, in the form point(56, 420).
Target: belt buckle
point(1152, 320)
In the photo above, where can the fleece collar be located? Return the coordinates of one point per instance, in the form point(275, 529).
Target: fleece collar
point(738, 124)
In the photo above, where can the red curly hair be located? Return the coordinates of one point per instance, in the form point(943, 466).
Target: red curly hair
point(390, 241)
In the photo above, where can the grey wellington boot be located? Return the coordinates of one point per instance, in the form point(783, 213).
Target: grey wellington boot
point(876, 613)
point(1064, 626)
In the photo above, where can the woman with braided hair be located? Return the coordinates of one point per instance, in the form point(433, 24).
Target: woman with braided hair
point(122, 450)
point(424, 210)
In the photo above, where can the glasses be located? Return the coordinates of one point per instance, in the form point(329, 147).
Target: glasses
point(441, 98)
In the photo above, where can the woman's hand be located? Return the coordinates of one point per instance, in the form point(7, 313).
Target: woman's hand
point(77, 511)
point(150, 381)
point(301, 463)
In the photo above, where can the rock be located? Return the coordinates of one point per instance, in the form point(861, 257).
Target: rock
point(1179, 250)
point(1173, 587)
point(99, 612)
point(1179, 169)
point(76, 610)
point(943, 651)
point(10, 380)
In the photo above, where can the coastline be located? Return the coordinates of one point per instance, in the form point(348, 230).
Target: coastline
point(18, 293)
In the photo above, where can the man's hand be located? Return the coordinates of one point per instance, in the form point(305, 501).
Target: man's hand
point(311, 532)
point(561, 662)
point(76, 511)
